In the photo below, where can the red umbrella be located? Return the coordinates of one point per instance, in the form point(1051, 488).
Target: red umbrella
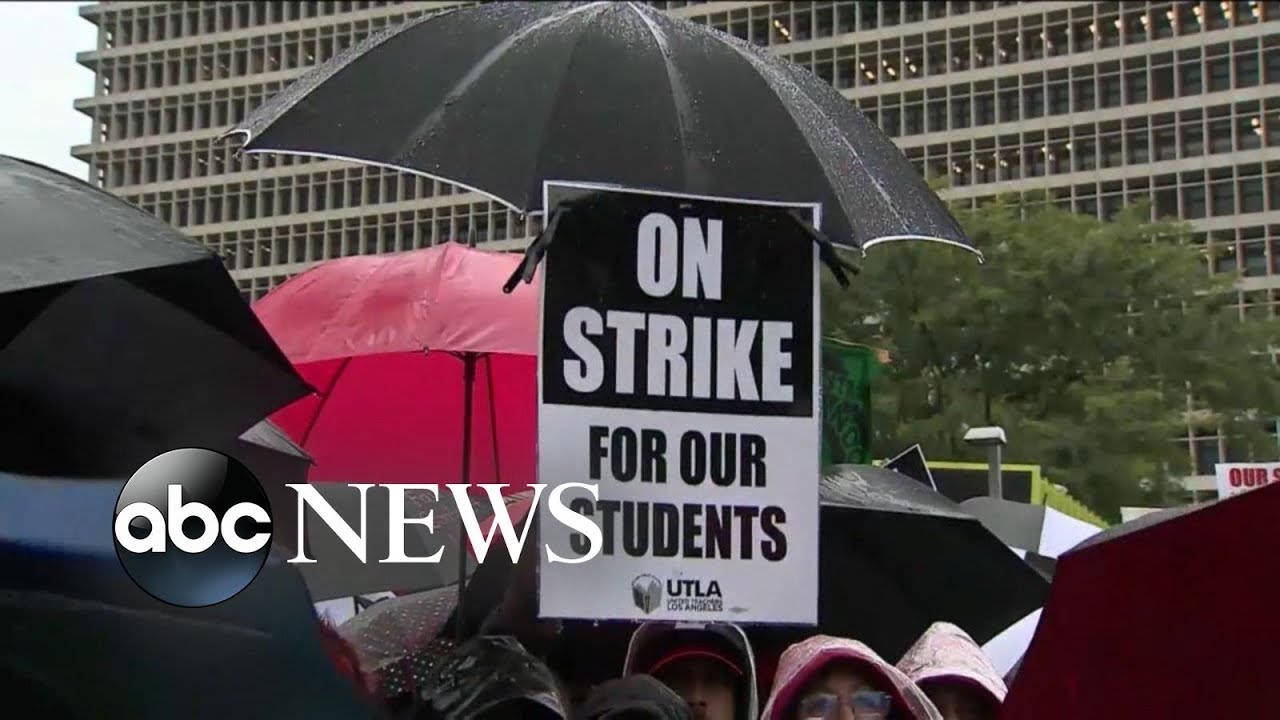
point(426, 370)
point(1171, 617)
point(392, 342)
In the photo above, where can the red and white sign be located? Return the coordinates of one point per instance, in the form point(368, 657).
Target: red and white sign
point(1235, 478)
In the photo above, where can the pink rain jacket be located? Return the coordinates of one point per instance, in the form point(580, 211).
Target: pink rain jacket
point(805, 660)
point(945, 652)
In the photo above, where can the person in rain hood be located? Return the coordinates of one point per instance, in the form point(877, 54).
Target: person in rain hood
point(635, 697)
point(830, 678)
point(954, 672)
point(491, 678)
point(710, 665)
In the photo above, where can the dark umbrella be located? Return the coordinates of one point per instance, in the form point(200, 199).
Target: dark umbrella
point(486, 673)
point(1169, 615)
point(119, 337)
point(896, 556)
point(396, 627)
point(89, 639)
point(1036, 529)
point(696, 111)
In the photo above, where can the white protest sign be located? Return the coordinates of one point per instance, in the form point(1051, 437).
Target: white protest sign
point(679, 374)
point(1235, 478)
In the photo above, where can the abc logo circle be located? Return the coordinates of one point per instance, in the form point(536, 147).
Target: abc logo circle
point(192, 527)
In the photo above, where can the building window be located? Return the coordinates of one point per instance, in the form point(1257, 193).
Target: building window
point(1192, 140)
point(1109, 91)
point(1219, 74)
point(1251, 196)
point(1190, 78)
point(1223, 199)
point(1247, 71)
point(1085, 96)
point(1193, 202)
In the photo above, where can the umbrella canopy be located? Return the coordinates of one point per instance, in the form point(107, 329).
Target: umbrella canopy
point(485, 673)
point(426, 370)
point(386, 340)
point(78, 627)
point(697, 111)
point(119, 337)
point(396, 627)
point(1037, 529)
point(897, 556)
point(1164, 616)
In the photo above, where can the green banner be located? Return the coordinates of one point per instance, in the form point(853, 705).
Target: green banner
point(847, 373)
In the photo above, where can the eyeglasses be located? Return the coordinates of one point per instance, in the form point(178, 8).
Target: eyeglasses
point(865, 704)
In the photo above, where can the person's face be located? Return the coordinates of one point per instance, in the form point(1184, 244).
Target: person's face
point(959, 702)
point(705, 684)
point(842, 692)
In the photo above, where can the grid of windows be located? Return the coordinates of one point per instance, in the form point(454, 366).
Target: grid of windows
point(1100, 104)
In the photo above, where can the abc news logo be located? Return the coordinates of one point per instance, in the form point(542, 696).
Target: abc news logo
point(206, 506)
point(193, 527)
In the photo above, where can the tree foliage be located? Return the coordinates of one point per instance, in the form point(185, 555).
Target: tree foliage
point(1081, 338)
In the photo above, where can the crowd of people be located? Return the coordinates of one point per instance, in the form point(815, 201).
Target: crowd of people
point(676, 671)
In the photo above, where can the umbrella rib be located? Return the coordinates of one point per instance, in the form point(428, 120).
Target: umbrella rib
point(758, 65)
point(679, 98)
point(324, 398)
point(493, 418)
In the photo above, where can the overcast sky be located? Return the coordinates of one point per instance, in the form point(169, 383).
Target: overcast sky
point(39, 79)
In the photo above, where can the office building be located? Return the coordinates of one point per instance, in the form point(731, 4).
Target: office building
point(1102, 104)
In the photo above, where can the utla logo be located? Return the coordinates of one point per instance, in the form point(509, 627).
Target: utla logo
point(646, 593)
point(691, 588)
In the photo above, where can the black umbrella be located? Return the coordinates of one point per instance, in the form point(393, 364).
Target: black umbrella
point(486, 673)
point(396, 627)
point(897, 556)
point(119, 337)
point(79, 633)
point(503, 96)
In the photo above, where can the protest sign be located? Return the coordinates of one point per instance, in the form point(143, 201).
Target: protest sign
point(679, 372)
point(1235, 478)
point(847, 373)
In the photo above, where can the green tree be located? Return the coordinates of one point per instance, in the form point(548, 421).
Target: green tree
point(1083, 339)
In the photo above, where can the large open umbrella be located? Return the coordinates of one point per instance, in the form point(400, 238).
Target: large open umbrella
point(78, 630)
point(1171, 615)
point(425, 369)
point(119, 337)
point(695, 111)
point(897, 556)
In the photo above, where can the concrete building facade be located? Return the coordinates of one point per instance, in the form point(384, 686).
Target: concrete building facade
point(1099, 103)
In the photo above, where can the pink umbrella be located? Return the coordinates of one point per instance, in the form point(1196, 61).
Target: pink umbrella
point(403, 349)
